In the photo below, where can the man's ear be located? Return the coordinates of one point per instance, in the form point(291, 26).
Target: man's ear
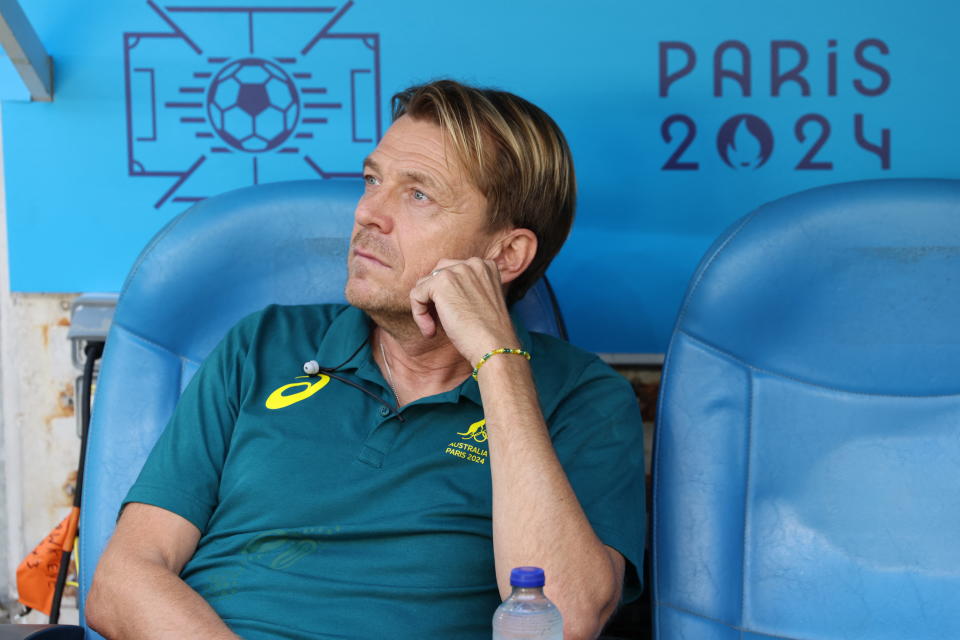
point(513, 252)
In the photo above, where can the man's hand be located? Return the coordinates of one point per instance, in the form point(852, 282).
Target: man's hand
point(465, 298)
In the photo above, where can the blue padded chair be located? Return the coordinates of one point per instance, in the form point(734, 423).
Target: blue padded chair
point(220, 260)
point(807, 469)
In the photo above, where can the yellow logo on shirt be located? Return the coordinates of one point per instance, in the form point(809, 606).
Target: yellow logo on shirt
point(280, 398)
point(476, 432)
point(466, 451)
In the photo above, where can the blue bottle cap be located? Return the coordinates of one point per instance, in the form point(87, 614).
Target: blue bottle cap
point(526, 577)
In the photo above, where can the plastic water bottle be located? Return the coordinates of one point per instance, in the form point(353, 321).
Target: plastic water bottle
point(527, 613)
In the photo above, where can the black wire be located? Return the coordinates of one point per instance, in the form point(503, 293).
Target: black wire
point(353, 384)
point(92, 351)
point(332, 372)
point(352, 356)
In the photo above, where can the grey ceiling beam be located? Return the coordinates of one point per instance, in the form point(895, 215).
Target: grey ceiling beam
point(25, 50)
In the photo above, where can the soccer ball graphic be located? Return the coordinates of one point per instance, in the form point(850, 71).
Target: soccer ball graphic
point(253, 105)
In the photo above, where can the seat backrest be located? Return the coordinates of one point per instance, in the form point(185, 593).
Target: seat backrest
point(807, 466)
point(222, 259)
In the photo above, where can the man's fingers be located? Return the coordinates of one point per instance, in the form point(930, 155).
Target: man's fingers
point(478, 266)
point(453, 282)
point(420, 305)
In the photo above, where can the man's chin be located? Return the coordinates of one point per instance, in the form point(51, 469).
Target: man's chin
point(375, 301)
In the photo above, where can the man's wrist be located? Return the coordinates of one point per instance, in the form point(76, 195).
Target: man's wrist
point(500, 356)
point(486, 344)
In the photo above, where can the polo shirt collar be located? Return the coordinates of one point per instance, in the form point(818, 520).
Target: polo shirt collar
point(346, 345)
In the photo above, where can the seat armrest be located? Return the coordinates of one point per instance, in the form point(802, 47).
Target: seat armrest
point(40, 632)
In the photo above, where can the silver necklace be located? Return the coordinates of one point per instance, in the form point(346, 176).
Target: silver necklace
point(389, 373)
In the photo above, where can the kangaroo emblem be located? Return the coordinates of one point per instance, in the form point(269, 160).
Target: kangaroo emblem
point(476, 432)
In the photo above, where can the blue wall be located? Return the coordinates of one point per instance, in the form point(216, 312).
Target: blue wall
point(673, 138)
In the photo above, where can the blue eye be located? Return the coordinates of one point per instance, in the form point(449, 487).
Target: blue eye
point(420, 195)
point(369, 179)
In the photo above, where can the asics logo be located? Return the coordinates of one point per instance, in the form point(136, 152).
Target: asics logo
point(281, 397)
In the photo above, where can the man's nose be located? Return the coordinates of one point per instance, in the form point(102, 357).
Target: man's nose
point(373, 210)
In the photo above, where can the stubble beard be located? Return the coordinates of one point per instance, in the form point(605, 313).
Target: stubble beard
point(375, 300)
point(364, 292)
point(388, 308)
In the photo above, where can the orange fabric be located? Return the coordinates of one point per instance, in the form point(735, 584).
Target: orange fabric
point(37, 574)
point(73, 520)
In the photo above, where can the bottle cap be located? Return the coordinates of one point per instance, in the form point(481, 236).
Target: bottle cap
point(526, 577)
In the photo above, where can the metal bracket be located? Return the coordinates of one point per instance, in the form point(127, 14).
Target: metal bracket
point(25, 51)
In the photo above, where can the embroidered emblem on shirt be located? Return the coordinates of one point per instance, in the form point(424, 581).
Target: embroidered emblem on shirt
point(477, 432)
point(280, 398)
point(282, 548)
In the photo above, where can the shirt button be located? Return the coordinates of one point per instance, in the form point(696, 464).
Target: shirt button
point(384, 411)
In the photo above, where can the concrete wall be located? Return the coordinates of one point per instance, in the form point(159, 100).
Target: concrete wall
point(9, 463)
point(39, 447)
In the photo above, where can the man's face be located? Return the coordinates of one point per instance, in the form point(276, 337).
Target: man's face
point(418, 207)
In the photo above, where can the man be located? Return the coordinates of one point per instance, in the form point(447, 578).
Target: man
point(391, 490)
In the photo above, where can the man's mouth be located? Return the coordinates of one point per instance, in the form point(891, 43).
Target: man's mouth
point(369, 257)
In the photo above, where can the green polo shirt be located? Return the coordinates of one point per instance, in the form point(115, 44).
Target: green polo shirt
point(326, 513)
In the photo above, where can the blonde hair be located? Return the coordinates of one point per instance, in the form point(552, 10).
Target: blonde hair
point(513, 152)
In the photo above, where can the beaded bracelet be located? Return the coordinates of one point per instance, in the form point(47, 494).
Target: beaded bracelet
point(487, 356)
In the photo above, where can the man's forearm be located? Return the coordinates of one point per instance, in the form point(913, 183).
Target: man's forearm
point(537, 518)
point(135, 598)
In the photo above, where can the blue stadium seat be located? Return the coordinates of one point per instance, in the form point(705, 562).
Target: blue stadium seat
point(807, 465)
point(222, 259)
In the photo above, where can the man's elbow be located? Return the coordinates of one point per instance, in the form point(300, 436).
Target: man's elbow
point(583, 626)
point(588, 618)
point(95, 608)
point(99, 605)
point(580, 629)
